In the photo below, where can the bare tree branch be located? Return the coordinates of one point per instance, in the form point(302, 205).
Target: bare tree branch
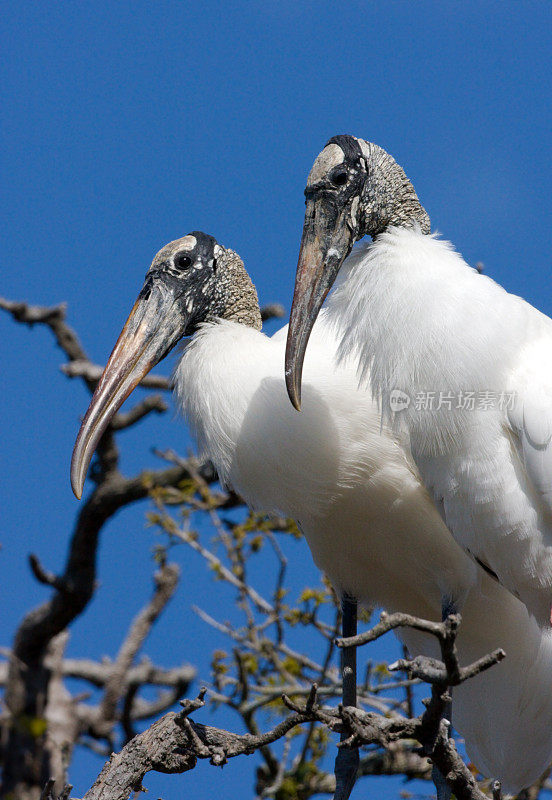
point(152, 402)
point(165, 584)
point(143, 673)
point(29, 678)
point(83, 368)
point(54, 318)
point(175, 742)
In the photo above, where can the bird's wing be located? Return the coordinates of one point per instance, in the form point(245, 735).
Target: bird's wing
point(530, 420)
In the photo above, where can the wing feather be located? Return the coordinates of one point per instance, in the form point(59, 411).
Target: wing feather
point(531, 422)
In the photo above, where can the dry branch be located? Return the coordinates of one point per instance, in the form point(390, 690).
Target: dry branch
point(28, 759)
point(92, 373)
point(174, 743)
point(165, 584)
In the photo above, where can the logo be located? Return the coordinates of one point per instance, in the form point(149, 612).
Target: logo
point(398, 400)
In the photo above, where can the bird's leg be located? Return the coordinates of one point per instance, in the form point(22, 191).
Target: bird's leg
point(449, 607)
point(443, 789)
point(346, 762)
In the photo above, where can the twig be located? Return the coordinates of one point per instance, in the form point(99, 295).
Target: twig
point(220, 569)
point(98, 673)
point(389, 622)
point(83, 368)
point(45, 576)
point(166, 580)
point(272, 311)
point(48, 791)
point(53, 317)
point(432, 671)
point(150, 403)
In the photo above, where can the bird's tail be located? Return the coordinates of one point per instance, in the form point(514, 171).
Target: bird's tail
point(505, 713)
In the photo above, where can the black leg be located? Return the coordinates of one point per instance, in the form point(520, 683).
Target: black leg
point(449, 607)
point(443, 790)
point(346, 762)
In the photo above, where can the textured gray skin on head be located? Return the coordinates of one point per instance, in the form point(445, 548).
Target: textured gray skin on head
point(388, 197)
point(237, 294)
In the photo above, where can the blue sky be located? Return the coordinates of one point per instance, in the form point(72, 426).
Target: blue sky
point(130, 124)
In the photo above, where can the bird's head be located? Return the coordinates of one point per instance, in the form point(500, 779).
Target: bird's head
point(354, 188)
point(191, 280)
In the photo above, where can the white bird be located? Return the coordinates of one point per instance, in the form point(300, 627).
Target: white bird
point(474, 361)
point(349, 482)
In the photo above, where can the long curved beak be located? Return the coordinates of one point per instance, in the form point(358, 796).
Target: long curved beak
point(154, 326)
point(327, 241)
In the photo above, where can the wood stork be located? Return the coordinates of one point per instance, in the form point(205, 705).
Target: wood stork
point(348, 481)
point(473, 362)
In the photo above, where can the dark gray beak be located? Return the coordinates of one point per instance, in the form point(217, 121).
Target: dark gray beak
point(154, 326)
point(327, 241)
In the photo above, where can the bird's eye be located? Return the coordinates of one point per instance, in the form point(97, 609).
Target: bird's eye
point(182, 261)
point(339, 178)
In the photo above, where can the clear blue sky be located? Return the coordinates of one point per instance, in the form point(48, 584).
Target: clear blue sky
point(129, 124)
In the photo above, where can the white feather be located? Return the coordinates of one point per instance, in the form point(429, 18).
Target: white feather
point(419, 319)
point(369, 522)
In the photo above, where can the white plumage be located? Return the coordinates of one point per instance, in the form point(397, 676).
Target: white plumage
point(419, 319)
point(347, 478)
point(371, 525)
